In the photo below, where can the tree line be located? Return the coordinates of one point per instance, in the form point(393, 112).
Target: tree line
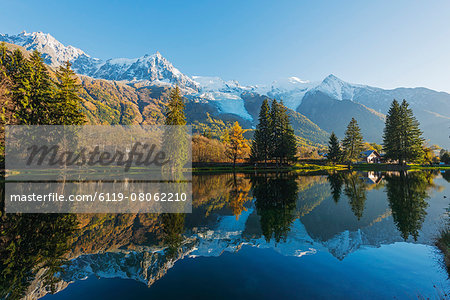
point(274, 138)
point(402, 138)
point(35, 96)
point(30, 94)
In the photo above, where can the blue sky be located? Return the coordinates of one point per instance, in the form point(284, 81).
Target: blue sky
point(380, 43)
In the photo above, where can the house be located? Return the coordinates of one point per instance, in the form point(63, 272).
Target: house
point(371, 157)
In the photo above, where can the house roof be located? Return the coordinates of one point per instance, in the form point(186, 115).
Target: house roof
point(369, 152)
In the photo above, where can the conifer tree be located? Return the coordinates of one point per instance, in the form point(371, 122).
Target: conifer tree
point(67, 99)
point(6, 106)
point(19, 72)
point(334, 149)
point(352, 143)
point(289, 141)
point(402, 139)
point(411, 135)
point(236, 144)
point(38, 103)
point(391, 133)
point(276, 129)
point(274, 135)
point(175, 141)
point(261, 144)
point(175, 108)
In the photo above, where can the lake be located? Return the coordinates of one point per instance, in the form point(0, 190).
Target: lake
point(346, 235)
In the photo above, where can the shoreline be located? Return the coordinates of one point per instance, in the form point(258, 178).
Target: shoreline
point(307, 167)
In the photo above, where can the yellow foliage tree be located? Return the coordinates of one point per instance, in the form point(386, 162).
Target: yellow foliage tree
point(236, 145)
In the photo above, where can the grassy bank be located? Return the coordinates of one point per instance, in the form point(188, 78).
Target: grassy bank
point(247, 167)
point(308, 166)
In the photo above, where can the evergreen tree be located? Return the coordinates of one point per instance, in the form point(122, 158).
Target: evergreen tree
point(411, 135)
point(283, 143)
point(236, 144)
point(276, 128)
point(288, 142)
point(67, 99)
point(38, 105)
point(334, 149)
point(353, 141)
point(261, 145)
point(175, 108)
point(391, 134)
point(175, 139)
point(402, 139)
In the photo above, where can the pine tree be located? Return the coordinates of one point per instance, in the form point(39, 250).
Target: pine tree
point(6, 105)
point(289, 141)
point(261, 144)
point(236, 144)
point(352, 143)
point(334, 149)
point(20, 74)
point(175, 139)
point(391, 134)
point(276, 128)
point(274, 135)
point(402, 139)
point(40, 106)
point(175, 108)
point(67, 99)
point(411, 135)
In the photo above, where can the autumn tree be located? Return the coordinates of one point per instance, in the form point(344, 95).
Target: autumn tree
point(236, 145)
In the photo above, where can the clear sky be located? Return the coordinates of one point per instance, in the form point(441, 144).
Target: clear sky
point(380, 43)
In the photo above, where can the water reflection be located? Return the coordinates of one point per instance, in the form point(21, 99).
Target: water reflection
point(173, 228)
point(336, 181)
point(275, 198)
point(406, 193)
point(31, 244)
point(296, 215)
point(356, 191)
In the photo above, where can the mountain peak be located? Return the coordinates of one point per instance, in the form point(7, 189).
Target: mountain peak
point(54, 52)
point(150, 67)
point(332, 78)
point(336, 88)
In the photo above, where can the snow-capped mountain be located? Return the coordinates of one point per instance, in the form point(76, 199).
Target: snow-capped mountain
point(54, 52)
point(225, 95)
point(320, 102)
point(291, 90)
point(152, 68)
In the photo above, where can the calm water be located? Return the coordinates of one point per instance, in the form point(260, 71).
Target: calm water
point(345, 235)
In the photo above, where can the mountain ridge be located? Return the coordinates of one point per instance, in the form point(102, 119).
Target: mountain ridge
point(432, 108)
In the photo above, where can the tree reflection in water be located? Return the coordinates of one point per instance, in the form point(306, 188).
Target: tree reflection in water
point(30, 243)
point(336, 180)
point(356, 191)
point(406, 193)
point(275, 204)
point(173, 229)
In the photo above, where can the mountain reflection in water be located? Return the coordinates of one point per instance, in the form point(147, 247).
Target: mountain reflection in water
point(294, 215)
